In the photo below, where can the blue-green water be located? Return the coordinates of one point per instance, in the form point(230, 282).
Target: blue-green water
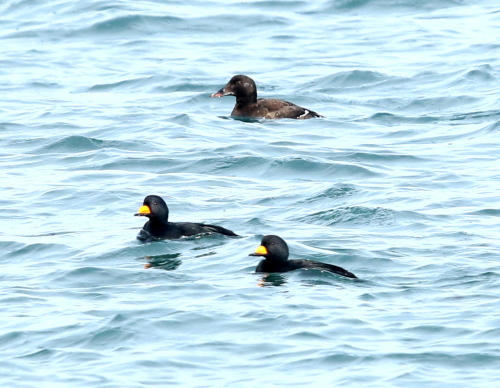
point(105, 102)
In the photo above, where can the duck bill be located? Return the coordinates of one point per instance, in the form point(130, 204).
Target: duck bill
point(143, 211)
point(260, 251)
point(223, 92)
point(220, 93)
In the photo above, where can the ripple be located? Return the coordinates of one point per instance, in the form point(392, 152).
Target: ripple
point(357, 215)
point(71, 144)
point(105, 102)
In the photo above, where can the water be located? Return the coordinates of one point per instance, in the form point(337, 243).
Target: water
point(106, 102)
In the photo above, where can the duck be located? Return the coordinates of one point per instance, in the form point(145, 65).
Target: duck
point(159, 228)
point(247, 104)
point(275, 252)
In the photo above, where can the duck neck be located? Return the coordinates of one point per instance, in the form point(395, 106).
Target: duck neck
point(247, 99)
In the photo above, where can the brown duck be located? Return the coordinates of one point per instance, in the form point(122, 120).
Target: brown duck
point(248, 105)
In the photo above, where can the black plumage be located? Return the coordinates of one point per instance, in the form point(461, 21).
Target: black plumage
point(275, 252)
point(158, 227)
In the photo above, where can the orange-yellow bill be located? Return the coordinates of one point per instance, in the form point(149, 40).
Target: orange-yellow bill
point(261, 250)
point(143, 210)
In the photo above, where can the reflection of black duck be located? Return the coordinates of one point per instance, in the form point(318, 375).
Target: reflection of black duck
point(275, 252)
point(158, 226)
point(247, 104)
point(168, 262)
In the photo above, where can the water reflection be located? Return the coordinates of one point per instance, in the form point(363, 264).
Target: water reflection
point(168, 262)
point(272, 279)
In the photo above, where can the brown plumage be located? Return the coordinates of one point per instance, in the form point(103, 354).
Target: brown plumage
point(247, 104)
